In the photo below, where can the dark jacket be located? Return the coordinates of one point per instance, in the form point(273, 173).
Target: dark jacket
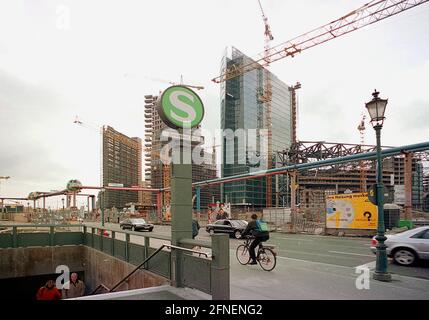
point(252, 230)
point(195, 228)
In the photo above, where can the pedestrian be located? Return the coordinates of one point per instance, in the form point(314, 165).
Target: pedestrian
point(195, 228)
point(76, 287)
point(48, 292)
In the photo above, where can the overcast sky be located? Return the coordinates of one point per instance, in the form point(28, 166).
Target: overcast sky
point(101, 62)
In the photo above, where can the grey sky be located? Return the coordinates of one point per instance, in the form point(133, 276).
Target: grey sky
point(100, 69)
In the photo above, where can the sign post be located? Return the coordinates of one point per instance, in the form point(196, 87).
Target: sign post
point(180, 108)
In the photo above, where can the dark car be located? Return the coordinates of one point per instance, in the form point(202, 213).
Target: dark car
point(136, 225)
point(232, 227)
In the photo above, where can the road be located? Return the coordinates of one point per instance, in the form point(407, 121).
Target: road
point(329, 250)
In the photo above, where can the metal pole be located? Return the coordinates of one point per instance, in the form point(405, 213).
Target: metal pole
point(198, 200)
point(102, 207)
point(381, 262)
point(408, 181)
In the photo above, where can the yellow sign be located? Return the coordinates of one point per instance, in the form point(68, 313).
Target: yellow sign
point(350, 211)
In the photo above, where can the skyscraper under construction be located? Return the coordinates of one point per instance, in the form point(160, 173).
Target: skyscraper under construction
point(122, 166)
point(242, 107)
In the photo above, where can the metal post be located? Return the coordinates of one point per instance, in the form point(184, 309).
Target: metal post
point(84, 235)
point(51, 236)
point(92, 237)
point(158, 205)
point(146, 247)
point(102, 207)
point(127, 247)
point(220, 277)
point(181, 207)
point(381, 262)
point(198, 191)
point(88, 209)
point(113, 244)
point(408, 181)
point(277, 191)
point(15, 237)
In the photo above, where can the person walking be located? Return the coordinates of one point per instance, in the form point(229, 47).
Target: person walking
point(48, 292)
point(76, 287)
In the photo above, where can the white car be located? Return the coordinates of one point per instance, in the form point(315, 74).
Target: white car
point(407, 247)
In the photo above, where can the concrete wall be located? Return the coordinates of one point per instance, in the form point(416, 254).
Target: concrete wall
point(31, 261)
point(105, 269)
point(98, 267)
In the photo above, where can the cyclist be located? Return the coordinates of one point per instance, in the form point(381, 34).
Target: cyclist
point(259, 230)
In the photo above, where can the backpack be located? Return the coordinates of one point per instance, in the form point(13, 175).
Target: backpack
point(261, 226)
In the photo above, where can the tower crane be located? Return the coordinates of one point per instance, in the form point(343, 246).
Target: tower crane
point(367, 14)
point(175, 83)
point(362, 180)
point(266, 98)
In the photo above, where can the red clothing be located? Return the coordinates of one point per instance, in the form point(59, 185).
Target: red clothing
point(48, 294)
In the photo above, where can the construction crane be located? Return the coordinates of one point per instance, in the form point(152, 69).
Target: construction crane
point(265, 98)
point(98, 129)
point(369, 13)
point(362, 180)
point(175, 83)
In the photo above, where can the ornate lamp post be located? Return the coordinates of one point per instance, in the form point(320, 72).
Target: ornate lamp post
point(376, 108)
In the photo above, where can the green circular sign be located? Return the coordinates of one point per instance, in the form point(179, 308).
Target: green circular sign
point(180, 107)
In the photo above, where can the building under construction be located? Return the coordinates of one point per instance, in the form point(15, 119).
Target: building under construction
point(158, 173)
point(122, 166)
point(312, 186)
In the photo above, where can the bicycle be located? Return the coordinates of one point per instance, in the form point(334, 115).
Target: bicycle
point(266, 255)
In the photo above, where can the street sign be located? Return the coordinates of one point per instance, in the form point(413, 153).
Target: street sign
point(180, 107)
point(372, 194)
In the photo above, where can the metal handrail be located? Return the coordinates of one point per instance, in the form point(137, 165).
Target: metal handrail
point(150, 257)
point(185, 249)
point(99, 286)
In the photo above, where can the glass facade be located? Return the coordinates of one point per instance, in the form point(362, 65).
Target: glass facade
point(241, 108)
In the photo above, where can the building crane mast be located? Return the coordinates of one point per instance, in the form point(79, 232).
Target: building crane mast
point(362, 181)
point(266, 98)
point(369, 13)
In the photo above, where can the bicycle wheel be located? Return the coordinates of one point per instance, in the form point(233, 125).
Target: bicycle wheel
point(242, 254)
point(267, 259)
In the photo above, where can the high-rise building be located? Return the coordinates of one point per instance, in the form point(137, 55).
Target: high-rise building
point(242, 107)
point(159, 173)
point(122, 166)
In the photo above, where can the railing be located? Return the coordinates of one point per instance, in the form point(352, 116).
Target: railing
point(145, 262)
point(209, 274)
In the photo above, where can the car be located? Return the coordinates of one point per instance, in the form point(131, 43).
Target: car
point(136, 225)
point(407, 247)
point(231, 226)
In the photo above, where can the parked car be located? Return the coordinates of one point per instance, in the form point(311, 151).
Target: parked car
point(407, 247)
point(232, 227)
point(136, 225)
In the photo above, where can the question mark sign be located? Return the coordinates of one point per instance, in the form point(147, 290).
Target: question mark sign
point(368, 214)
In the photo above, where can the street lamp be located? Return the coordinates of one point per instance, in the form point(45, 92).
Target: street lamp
point(376, 108)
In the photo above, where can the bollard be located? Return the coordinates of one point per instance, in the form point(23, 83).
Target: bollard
point(220, 277)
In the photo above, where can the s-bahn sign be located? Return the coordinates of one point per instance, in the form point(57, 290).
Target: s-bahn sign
point(180, 107)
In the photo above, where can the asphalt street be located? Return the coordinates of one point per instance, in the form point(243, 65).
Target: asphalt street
point(336, 251)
